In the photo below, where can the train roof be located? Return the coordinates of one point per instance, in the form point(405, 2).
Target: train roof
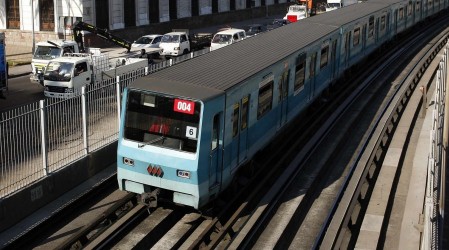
point(223, 68)
point(349, 13)
point(208, 75)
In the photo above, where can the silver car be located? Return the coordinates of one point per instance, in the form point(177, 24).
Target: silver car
point(147, 41)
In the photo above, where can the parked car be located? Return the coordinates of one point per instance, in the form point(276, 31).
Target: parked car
point(276, 23)
point(147, 41)
point(254, 29)
point(226, 37)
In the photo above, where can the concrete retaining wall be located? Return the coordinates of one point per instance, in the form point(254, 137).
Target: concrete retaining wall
point(23, 203)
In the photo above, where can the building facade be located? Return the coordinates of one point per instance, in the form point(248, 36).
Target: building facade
point(52, 19)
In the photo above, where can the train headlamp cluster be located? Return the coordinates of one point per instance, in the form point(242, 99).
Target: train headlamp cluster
point(183, 174)
point(155, 170)
point(128, 161)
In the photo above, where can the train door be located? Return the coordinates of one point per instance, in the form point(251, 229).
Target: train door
point(216, 155)
point(243, 148)
point(283, 94)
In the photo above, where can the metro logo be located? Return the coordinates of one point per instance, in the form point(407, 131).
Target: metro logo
point(184, 106)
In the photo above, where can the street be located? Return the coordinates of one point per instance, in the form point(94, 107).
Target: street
point(21, 92)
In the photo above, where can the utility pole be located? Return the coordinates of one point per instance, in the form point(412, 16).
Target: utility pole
point(32, 25)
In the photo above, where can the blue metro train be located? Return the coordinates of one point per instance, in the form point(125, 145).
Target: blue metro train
point(185, 130)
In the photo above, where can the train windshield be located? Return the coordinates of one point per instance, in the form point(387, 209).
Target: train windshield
point(162, 121)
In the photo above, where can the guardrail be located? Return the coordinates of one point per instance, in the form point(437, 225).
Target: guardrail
point(43, 137)
point(435, 187)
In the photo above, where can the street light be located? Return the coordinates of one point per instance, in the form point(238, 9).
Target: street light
point(32, 24)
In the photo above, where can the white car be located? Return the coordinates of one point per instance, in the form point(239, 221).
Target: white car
point(147, 41)
point(226, 37)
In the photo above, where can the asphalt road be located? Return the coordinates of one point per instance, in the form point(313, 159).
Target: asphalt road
point(21, 92)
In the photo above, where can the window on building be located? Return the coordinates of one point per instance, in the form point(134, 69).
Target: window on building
point(13, 14)
point(172, 9)
point(129, 11)
point(46, 15)
point(153, 11)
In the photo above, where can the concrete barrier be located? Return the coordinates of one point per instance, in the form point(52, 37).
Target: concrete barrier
point(19, 205)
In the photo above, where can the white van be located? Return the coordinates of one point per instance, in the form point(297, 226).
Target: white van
point(226, 37)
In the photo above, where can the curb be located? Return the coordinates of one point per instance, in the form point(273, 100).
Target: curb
point(18, 75)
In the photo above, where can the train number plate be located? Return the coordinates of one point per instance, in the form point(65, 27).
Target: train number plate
point(184, 106)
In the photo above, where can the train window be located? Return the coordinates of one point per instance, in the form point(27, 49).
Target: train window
point(418, 4)
point(409, 9)
point(215, 130)
point(371, 26)
point(244, 112)
point(401, 13)
point(265, 97)
point(162, 121)
point(356, 38)
point(347, 40)
point(235, 120)
point(300, 73)
point(324, 56)
point(382, 23)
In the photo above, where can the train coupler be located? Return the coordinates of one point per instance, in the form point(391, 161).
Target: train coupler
point(150, 199)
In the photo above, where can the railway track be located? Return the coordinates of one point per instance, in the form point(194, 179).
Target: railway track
point(291, 210)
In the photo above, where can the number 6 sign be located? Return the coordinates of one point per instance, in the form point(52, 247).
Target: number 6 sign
point(190, 132)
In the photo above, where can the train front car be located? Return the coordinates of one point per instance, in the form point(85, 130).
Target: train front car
point(159, 150)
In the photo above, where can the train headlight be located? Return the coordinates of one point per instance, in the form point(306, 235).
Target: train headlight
point(183, 174)
point(128, 161)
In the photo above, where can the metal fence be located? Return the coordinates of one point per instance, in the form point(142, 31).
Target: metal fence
point(43, 137)
point(434, 199)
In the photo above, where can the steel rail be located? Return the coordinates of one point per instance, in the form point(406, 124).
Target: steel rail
point(339, 216)
point(81, 235)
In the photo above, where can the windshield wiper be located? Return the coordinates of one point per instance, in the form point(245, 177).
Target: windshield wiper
point(161, 138)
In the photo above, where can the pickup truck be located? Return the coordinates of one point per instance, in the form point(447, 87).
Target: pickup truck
point(179, 42)
point(64, 76)
point(46, 51)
